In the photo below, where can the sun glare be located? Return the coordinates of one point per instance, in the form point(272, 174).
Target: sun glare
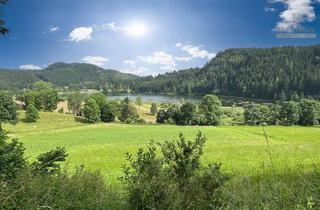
point(137, 29)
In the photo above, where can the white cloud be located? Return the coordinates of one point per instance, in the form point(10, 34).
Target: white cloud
point(130, 62)
point(95, 60)
point(81, 34)
point(138, 71)
point(161, 58)
point(296, 13)
point(196, 51)
point(53, 29)
point(184, 58)
point(29, 67)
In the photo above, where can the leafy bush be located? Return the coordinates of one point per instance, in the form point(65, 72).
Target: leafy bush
point(83, 190)
point(154, 109)
point(257, 114)
point(188, 114)
point(138, 101)
point(49, 162)
point(308, 112)
point(170, 176)
point(8, 110)
point(75, 102)
point(289, 113)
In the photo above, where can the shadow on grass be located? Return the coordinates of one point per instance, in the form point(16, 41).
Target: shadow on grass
point(80, 120)
point(24, 120)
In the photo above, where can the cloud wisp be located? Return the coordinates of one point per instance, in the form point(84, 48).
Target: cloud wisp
point(195, 51)
point(80, 34)
point(95, 60)
point(29, 67)
point(166, 61)
point(54, 29)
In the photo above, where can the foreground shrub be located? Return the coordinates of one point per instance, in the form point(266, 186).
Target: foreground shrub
point(42, 185)
point(173, 179)
point(11, 157)
point(291, 189)
point(83, 190)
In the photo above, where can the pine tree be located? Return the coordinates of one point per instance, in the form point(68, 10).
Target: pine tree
point(91, 111)
point(32, 114)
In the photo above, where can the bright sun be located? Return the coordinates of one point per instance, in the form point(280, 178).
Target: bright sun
point(137, 29)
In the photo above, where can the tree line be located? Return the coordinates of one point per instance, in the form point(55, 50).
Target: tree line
point(208, 112)
point(96, 108)
point(304, 112)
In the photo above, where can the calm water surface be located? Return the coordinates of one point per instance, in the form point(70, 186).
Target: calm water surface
point(157, 98)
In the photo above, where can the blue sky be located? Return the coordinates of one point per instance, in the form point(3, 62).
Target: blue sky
point(146, 37)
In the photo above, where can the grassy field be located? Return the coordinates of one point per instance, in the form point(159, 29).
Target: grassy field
point(241, 149)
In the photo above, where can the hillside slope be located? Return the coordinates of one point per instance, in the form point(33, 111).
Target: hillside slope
point(271, 73)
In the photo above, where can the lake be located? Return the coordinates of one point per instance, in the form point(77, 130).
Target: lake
point(157, 98)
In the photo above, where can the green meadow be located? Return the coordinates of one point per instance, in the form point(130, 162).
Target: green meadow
point(242, 150)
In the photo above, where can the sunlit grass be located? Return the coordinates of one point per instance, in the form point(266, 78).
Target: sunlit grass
point(241, 149)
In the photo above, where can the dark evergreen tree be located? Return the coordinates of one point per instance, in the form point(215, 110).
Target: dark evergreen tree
point(91, 111)
point(128, 112)
point(109, 111)
point(32, 114)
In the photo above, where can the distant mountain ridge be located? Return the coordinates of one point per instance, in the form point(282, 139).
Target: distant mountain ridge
point(266, 73)
point(73, 75)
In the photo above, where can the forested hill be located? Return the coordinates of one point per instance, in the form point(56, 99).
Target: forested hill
point(271, 73)
point(75, 76)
